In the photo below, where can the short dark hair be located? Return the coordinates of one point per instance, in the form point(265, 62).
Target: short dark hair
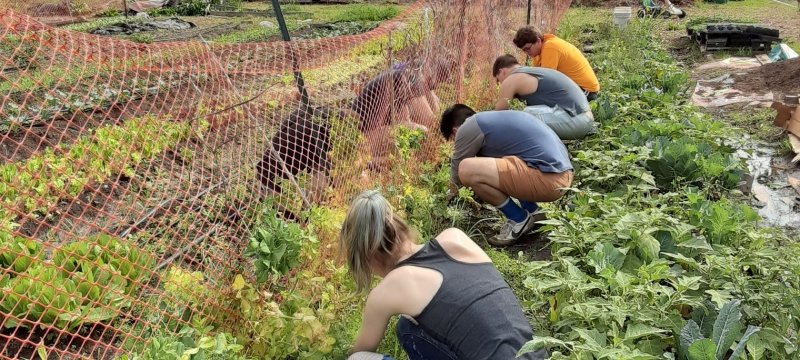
point(527, 35)
point(503, 62)
point(454, 116)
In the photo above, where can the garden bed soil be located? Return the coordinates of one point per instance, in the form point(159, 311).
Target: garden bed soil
point(780, 77)
point(534, 247)
point(65, 129)
point(95, 341)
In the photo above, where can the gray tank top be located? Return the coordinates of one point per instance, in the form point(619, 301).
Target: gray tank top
point(474, 312)
point(554, 89)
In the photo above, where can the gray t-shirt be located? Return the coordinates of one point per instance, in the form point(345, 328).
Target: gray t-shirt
point(555, 89)
point(510, 133)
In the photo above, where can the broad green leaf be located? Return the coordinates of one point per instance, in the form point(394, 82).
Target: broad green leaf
point(594, 339)
point(535, 266)
point(206, 343)
point(41, 350)
point(544, 342)
point(684, 283)
point(697, 243)
point(238, 282)
point(606, 256)
point(99, 314)
point(726, 327)
point(705, 316)
point(652, 346)
point(743, 341)
point(703, 350)
point(688, 262)
point(720, 297)
point(638, 330)
point(648, 246)
point(756, 347)
point(690, 334)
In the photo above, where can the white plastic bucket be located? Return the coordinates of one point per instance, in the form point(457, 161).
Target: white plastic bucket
point(622, 15)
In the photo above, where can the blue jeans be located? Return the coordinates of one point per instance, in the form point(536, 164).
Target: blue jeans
point(419, 345)
point(567, 127)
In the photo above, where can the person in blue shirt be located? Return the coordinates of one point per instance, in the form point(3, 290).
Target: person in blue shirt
point(507, 155)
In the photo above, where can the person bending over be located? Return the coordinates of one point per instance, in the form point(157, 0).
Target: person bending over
point(452, 301)
point(398, 96)
point(549, 51)
point(300, 144)
point(549, 95)
point(507, 155)
point(383, 102)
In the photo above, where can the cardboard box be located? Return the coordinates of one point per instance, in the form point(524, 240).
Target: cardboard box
point(788, 117)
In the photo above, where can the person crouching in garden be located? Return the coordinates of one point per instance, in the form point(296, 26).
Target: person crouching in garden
point(549, 95)
point(452, 301)
point(507, 155)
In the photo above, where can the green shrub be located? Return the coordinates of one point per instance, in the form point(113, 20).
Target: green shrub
point(275, 245)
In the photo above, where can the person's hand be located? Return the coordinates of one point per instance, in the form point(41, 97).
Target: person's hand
point(415, 126)
point(452, 192)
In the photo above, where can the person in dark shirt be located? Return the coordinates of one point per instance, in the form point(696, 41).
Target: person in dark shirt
point(452, 301)
point(502, 155)
point(403, 95)
point(300, 144)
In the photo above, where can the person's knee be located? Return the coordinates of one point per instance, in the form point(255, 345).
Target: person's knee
point(470, 172)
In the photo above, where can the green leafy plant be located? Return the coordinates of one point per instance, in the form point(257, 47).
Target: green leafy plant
point(17, 254)
point(408, 141)
point(635, 265)
point(190, 344)
point(86, 281)
point(275, 245)
point(696, 344)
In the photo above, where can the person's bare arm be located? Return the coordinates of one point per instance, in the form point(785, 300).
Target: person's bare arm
point(377, 313)
point(507, 91)
point(433, 101)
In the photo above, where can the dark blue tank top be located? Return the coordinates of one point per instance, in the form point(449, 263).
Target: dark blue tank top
point(474, 312)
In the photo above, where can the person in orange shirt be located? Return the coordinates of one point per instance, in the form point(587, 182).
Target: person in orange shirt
point(549, 51)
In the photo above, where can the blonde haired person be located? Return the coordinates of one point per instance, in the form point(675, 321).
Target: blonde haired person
point(455, 304)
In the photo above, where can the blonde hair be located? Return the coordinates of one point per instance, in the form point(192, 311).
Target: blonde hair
point(371, 229)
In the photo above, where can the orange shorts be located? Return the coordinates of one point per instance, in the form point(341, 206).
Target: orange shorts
point(523, 182)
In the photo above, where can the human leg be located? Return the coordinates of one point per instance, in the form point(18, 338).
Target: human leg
point(529, 184)
point(480, 174)
point(483, 177)
point(420, 345)
point(567, 127)
point(379, 143)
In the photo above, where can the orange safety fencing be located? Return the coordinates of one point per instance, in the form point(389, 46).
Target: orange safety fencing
point(122, 161)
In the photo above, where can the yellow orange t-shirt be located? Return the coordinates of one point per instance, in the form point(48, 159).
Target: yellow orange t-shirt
point(562, 56)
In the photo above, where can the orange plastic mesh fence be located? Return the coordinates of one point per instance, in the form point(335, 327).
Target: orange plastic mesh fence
point(124, 161)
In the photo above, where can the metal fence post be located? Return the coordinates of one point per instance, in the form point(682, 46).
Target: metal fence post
point(298, 76)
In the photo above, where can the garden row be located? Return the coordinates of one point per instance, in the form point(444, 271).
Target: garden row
point(95, 284)
point(655, 254)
